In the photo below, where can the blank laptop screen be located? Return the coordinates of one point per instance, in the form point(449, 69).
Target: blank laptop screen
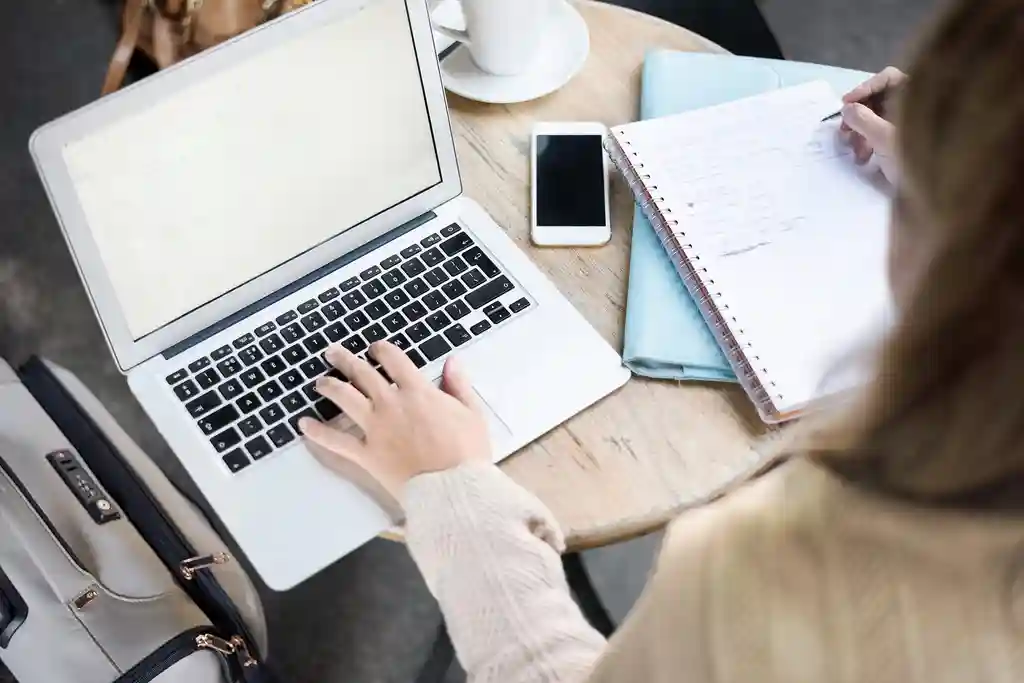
point(229, 178)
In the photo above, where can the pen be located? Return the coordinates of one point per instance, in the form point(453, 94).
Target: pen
point(876, 103)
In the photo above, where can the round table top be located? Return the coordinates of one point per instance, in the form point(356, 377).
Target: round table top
point(632, 462)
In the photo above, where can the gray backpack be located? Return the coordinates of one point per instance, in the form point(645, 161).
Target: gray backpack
point(107, 572)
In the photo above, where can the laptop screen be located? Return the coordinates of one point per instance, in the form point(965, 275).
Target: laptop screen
point(233, 176)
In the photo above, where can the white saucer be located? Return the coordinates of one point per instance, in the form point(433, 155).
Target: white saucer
point(562, 54)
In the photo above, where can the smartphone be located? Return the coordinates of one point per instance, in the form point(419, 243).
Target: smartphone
point(569, 171)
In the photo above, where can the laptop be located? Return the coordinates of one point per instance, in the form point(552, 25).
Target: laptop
point(295, 187)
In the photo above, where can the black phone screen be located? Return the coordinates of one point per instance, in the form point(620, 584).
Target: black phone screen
point(570, 180)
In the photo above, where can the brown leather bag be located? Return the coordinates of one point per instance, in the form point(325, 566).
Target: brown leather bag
point(168, 31)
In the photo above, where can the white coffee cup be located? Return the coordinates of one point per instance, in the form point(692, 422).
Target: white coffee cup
point(503, 36)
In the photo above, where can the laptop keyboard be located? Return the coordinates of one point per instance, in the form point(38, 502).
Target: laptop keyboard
point(428, 299)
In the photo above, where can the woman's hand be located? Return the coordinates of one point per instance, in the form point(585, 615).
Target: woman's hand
point(409, 428)
point(868, 133)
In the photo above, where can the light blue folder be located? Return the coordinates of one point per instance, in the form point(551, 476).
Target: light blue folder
point(666, 336)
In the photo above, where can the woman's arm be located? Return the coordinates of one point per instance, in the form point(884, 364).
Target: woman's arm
point(489, 551)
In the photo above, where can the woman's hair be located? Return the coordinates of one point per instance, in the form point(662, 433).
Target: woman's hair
point(944, 422)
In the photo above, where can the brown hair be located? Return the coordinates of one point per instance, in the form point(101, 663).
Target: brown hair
point(944, 421)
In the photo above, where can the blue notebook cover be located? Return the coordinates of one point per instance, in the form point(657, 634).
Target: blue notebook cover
point(666, 336)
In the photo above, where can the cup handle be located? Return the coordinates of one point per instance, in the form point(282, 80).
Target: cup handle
point(452, 33)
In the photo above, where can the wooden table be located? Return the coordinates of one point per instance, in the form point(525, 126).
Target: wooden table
point(630, 464)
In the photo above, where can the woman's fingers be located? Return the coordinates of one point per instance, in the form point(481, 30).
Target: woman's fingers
point(456, 383)
point(346, 397)
point(364, 377)
point(397, 365)
point(334, 440)
point(887, 78)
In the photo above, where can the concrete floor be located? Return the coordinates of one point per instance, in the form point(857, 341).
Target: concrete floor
point(368, 619)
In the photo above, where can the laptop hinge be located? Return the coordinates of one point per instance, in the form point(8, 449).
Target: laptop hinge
point(257, 306)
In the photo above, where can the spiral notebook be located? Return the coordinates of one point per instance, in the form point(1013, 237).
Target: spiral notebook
point(778, 236)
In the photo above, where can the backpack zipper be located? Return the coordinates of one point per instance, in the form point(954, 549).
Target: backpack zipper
point(167, 655)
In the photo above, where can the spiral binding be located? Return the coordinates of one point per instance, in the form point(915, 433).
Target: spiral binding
point(737, 353)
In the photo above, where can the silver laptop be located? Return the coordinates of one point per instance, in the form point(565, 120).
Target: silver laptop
point(296, 187)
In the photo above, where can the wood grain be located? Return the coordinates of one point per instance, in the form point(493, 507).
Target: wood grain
point(631, 463)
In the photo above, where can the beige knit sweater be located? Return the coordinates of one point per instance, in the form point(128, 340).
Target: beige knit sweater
point(794, 578)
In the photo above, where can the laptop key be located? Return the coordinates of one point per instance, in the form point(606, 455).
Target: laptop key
point(314, 321)
point(327, 409)
point(374, 333)
point(370, 273)
point(416, 358)
point(294, 353)
point(394, 322)
point(310, 392)
point(218, 419)
point(307, 306)
point(430, 240)
point(457, 310)
point(225, 440)
point(186, 390)
point(418, 333)
point(499, 314)
point(413, 267)
point(265, 329)
point(480, 327)
point(434, 300)
point(315, 343)
point(197, 365)
point(473, 278)
point(438, 321)
point(272, 413)
point(396, 298)
point(243, 341)
point(252, 377)
point(271, 344)
point(270, 391)
point(229, 367)
point(453, 245)
point(286, 318)
point(333, 310)
point(177, 376)
point(331, 293)
point(230, 389)
point(250, 425)
point(411, 251)
point(432, 257)
point(481, 296)
point(258, 448)
point(401, 341)
point(457, 335)
point(393, 278)
point(354, 300)
point(293, 333)
point(390, 262)
point(373, 289)
point(415, 311)
point(476, 257)
point(312, 367)
point(435, 347)
point(291, 378)
point(335, 332)
point(248, 403)
point(354, 344)
point(450, 230)
point(207, 378)
point(280, 436)
point(236, 460)
point(456, 266)
point(221, 353)
point(415, 288)
point(436, 277)
point(200, 406)
point(519, 305)
point(250, 355)
point(294, 419)
point(454, 289)
point(377, 309)
point(357, 320)
point(349, 284)
point(293, 401)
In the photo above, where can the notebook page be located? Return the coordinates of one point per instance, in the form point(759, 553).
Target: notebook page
point(790, 235)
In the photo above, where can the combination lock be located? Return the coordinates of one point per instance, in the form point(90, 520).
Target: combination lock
point(81, 483)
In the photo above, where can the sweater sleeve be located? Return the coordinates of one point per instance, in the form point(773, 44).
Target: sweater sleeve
point(490, 554)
